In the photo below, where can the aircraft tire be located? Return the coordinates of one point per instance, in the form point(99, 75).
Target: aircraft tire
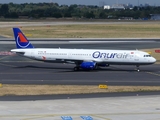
point(76, 68)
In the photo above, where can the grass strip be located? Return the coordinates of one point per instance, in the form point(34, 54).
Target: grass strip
point(68, 89)
point(122, 30)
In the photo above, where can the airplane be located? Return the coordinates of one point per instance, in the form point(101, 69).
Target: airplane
point(89, 59)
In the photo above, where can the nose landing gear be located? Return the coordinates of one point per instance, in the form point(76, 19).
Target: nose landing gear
point(137, 66)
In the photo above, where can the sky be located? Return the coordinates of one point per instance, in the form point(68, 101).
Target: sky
point(87, 2)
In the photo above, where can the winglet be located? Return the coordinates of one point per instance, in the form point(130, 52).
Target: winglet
point(21, 40)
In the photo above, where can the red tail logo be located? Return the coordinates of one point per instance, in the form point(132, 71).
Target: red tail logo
point(22, 38)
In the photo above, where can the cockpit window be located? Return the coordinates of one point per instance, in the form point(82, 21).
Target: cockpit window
point(147, 56)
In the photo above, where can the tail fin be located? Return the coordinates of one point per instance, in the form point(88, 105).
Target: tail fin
point(21, 40)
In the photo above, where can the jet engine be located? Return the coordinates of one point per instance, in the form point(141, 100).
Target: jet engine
point(88, 65)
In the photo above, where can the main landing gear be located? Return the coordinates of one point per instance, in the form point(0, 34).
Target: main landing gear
point(76, 68)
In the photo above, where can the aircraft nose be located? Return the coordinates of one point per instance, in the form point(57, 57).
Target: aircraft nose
point(153, 60)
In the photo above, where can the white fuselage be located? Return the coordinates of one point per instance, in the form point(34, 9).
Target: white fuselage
point(119, 57)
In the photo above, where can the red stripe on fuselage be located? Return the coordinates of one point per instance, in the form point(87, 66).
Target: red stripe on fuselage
point(22, 38)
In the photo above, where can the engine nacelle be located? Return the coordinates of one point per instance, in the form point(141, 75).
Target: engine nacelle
point(88, 65)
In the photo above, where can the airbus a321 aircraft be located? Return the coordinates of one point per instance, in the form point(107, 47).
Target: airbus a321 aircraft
point(83, 58)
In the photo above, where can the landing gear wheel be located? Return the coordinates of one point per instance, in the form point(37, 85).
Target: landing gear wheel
point(76, 68)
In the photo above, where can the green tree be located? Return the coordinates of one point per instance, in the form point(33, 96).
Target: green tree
point(89, 15)
point(57, 15)
point(102, 15)
point(4, 10)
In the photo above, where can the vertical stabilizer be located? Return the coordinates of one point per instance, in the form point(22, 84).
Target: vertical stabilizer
point(21, 40)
